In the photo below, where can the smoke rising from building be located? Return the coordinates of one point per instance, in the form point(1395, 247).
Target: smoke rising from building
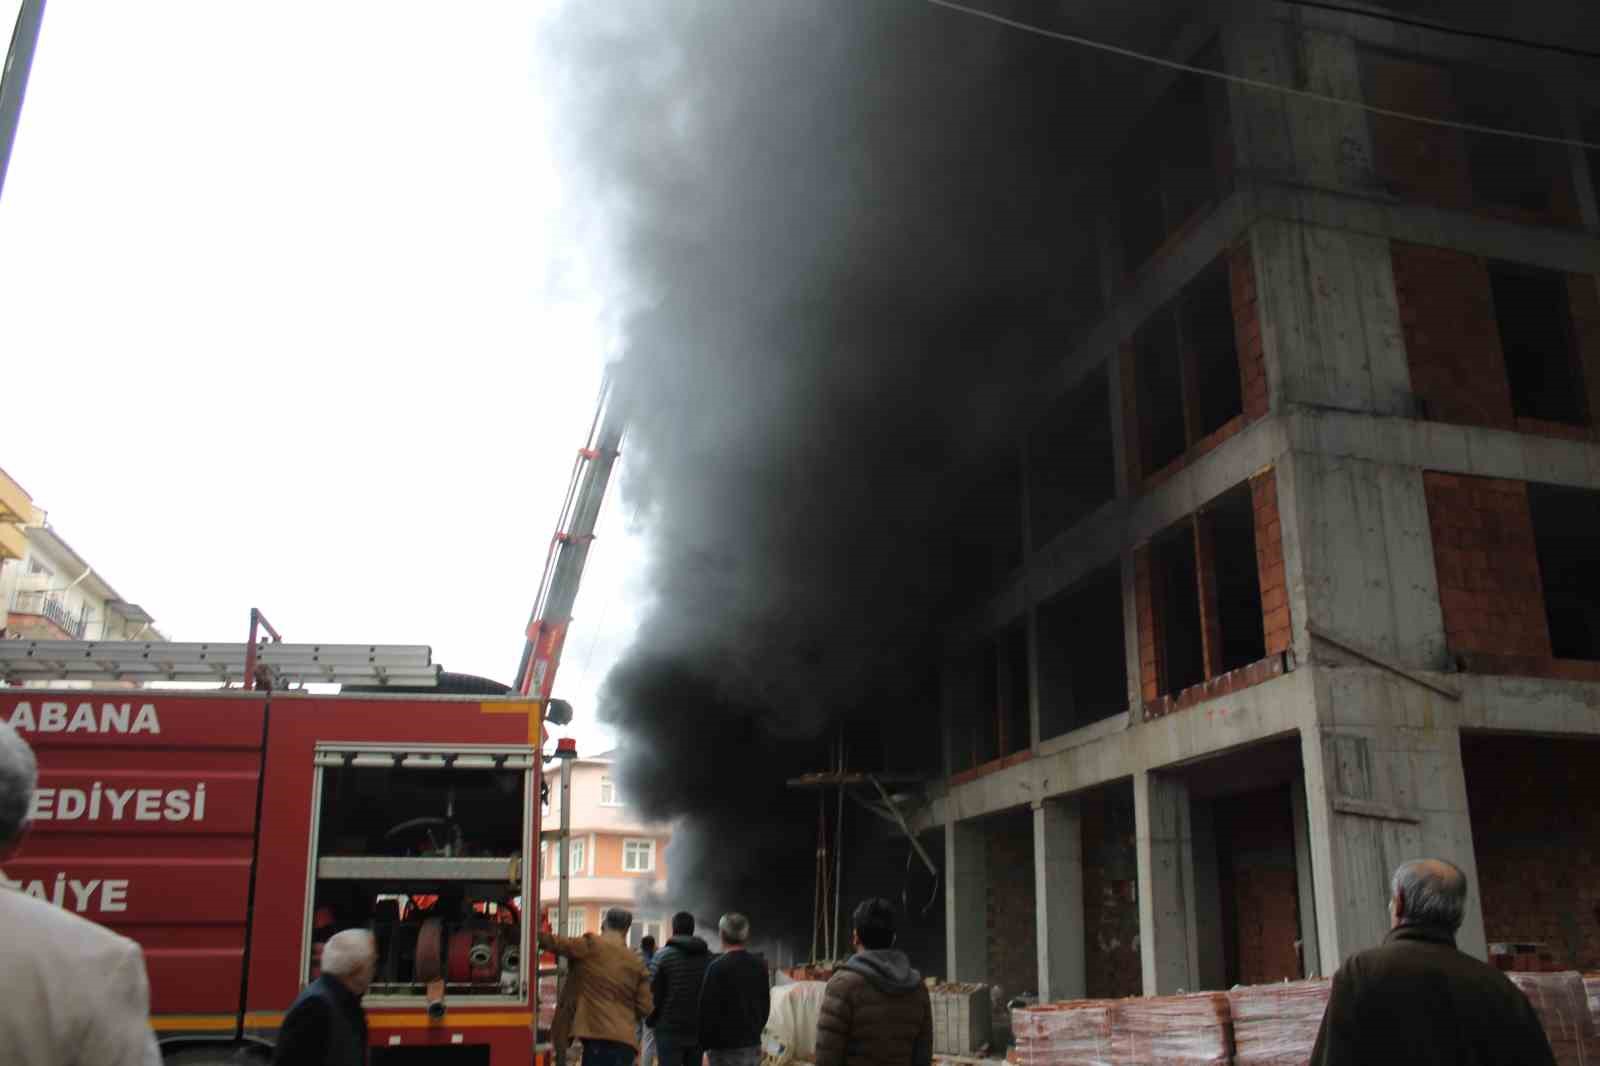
point(849, 230)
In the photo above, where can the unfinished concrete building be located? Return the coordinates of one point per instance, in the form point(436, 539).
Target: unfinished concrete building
point(1301, 577)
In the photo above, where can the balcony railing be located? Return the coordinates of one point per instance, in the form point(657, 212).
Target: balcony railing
point(53, 608)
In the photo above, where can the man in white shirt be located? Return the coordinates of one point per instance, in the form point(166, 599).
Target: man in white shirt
point(72, 993)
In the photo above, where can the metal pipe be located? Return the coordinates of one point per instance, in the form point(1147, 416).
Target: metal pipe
point(838, 855)
point(562, 886)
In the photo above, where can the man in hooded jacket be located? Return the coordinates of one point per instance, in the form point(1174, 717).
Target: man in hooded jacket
point(876, 1010)
point(680, 970)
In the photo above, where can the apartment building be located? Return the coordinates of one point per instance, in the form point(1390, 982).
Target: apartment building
point(1298, 572)
point(48, 590)
point(616, 856)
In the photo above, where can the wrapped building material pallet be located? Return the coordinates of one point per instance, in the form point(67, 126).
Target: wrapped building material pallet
point(962, 1024)
point(1158, 1031)
point(1591, 985)
point(1194, 1030)
point(1276, 1025)
point(1064, 1034)
point(1563, 1009)
point(791, 1031)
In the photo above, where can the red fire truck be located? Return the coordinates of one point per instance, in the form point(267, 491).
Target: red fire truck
point(231, 832)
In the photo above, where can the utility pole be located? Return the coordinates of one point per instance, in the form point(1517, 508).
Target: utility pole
point(14, 78)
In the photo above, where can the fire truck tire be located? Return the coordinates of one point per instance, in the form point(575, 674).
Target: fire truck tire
point(216, 1055)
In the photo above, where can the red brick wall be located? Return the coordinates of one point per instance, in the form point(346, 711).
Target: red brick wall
point(1144, 604)
point(1269, 561)
point(1012, 919)
point(1247, 331)
point(1110, 894)
point(1535, 810)
point(1452, 341)
point(1255, 835)
point(1487, 565)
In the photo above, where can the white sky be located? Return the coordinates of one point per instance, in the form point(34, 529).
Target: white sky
point(297, 312)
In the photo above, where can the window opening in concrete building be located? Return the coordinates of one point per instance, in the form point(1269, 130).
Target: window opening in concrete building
point(1206, 330)
point(1535, 324)
point(1230, 522)
point(1016, 719)
point(1174, 585)
point(1257, 886)
point(1566, 528)
point(1534, 808)
point(1186, 369)
point(1170, 169)
point(1510, 171)
point(1158, 378)
point(1071, 460)
point(1083, 666)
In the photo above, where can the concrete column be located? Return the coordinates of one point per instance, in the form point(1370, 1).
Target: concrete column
point(966, 902)
point(1210, 955)
point(1377, 795)
point(1058, 895)
point(1130, 636)
point(1168, 946)
point(1304, 885)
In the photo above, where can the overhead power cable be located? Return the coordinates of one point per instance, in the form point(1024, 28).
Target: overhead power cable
point(1257, 84)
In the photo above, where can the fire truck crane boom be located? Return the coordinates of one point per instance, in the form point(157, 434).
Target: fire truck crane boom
point(569, 550)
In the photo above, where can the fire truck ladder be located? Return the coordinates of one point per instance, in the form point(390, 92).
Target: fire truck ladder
point(286, 665)
point(547, 632)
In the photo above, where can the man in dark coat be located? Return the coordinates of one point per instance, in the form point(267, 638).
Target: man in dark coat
point(326, 1025)
point(680, 969)
point(1417, 1000)
point(876, 1010)
point(734, 999)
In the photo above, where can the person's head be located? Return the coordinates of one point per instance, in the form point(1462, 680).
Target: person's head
point(872, 925)
point(19, 775)
point(351, 956)
point(616, 920)
point(683, 924)
point(1427, 892)
point(648, 945)
point(734, 929)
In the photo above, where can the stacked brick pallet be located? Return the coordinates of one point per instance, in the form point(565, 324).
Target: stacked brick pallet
point(1563, 1008)
point(1276, 1025)
point(1158, 1031)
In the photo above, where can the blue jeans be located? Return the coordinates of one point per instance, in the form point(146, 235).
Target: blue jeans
point(606, 1053)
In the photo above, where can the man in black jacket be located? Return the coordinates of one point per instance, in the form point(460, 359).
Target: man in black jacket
point(680, 968)
point(326, 1025)
point(1417, 1000)
point(735, 999)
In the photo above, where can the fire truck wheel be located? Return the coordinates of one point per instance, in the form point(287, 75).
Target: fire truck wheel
point(229, 1055)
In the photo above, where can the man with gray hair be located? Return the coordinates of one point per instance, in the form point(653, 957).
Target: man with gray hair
point(325, 1025)
point(72, 993)
point(735, 998)
point(1416, 999)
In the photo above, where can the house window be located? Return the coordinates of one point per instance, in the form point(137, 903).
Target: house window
point(1535, 324)
point(638, 856)
point(576, 864)
point(544, 861)
point(577, 920)
point(36, 567)
point(608, 793)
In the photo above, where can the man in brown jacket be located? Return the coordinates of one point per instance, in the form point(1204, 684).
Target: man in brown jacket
point(876, 1010)
point(1416, 1000)
point(607, 992)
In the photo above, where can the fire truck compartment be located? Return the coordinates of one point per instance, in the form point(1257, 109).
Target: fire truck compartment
point(424, 848)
